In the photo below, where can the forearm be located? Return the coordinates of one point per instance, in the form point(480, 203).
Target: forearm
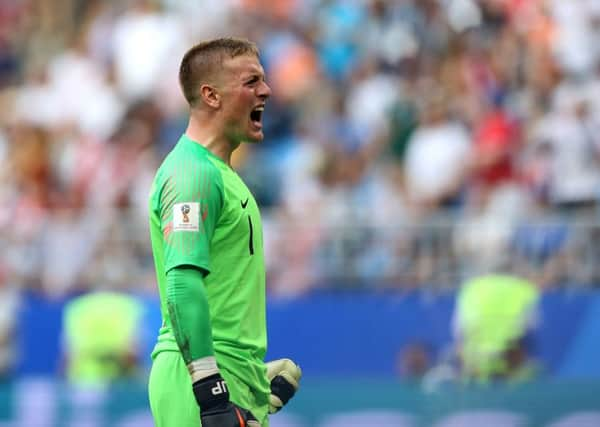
point(190, 320)
point(190, 315)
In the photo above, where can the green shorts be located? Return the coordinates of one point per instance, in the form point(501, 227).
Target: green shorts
point(171, 398)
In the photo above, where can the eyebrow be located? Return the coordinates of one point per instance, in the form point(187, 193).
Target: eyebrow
point(253, 74)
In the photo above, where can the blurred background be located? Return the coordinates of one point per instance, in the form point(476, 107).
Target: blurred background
point(429, 185)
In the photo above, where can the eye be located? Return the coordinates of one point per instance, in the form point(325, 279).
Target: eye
point(252, 80)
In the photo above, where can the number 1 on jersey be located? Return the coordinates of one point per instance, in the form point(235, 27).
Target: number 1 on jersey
point(250, 241)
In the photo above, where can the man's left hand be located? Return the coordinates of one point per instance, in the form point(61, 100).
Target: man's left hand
point(284, 376)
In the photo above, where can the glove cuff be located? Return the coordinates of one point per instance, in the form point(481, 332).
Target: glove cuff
point(211, 392)
point(282, 389)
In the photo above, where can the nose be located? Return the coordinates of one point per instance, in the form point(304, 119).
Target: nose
point(264, 90)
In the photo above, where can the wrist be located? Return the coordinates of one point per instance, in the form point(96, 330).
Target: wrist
point(202, 368)
point(210, 389)
point(211, 392)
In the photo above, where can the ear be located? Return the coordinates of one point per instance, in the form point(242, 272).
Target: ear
point(210, 96)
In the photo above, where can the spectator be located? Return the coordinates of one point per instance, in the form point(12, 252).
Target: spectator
point(436, 156)
point(568, 131)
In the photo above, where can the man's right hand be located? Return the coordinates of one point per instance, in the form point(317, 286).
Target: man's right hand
point(216, 410)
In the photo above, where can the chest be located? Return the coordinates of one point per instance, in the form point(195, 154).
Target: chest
point(239, 226)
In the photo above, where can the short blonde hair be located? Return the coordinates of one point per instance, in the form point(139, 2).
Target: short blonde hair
point(205, 59)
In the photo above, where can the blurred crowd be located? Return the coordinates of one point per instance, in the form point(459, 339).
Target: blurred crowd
point(408, 143)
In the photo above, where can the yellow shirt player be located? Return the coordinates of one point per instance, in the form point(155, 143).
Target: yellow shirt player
point(100, 336)
point(494, 314)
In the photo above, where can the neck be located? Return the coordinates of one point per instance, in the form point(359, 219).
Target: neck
point(205, 131)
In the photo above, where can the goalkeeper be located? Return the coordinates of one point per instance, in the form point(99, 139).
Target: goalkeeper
point(205, 227)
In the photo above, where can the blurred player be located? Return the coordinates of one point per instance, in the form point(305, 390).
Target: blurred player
point(208, 363)
point(494, 320)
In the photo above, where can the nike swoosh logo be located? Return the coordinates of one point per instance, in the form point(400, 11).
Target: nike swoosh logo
point(244, 203)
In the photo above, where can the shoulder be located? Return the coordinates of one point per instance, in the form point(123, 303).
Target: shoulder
point(185, 168)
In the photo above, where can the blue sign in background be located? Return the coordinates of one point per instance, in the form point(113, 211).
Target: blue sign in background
point(352, 334)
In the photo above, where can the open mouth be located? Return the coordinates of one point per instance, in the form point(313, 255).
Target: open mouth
point(256, 116)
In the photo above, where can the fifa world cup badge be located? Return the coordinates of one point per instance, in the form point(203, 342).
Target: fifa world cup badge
point(186, 216)
point(185, 210)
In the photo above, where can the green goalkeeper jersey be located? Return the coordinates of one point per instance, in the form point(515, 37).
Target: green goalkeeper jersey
point(203, 215)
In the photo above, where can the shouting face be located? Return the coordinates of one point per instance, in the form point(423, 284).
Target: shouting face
point(244, 93)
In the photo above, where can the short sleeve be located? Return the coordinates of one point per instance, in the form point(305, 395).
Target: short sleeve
point(191, 201)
